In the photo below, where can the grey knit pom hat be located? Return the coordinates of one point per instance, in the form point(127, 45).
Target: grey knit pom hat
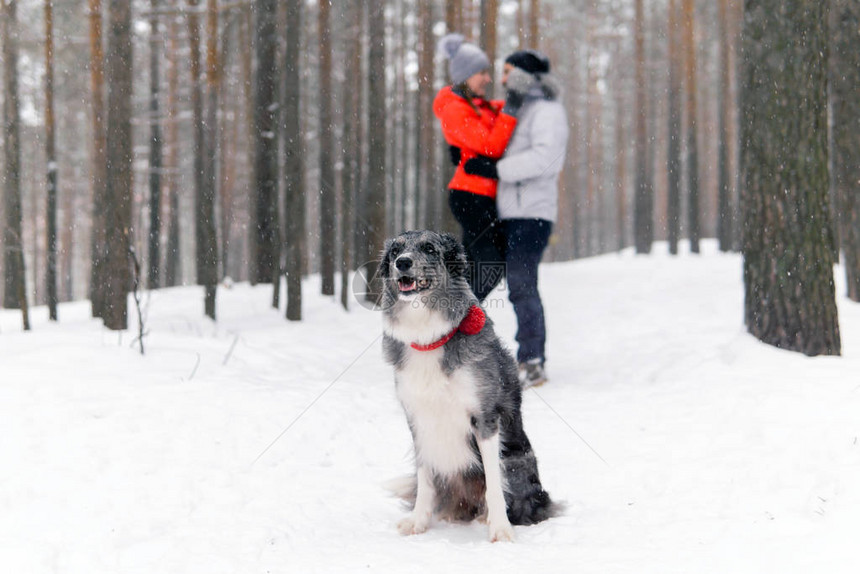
point(464, 59)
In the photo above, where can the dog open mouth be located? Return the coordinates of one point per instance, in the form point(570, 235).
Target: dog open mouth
point(409, 285)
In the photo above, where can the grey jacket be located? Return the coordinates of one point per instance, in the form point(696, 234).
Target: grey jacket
point(529, 170)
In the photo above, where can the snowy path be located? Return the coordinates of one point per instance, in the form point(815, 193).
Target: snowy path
point(721, 454)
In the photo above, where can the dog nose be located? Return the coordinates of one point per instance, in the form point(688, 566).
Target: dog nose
point(403, 263)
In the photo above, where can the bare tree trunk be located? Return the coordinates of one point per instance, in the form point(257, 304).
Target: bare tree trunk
point(690, 47)
point(118, 70)
point(592, 136)
point(621, 103)
point(172, 259)
point(207, 253)
point(14, 293)
point(99, 162)
point(426, 166)
point(453, 20)
point(51, 159)
point(267, 257)
point(673, 204)
point(534, 24)
point(489, 18)
point(724, 186)
point(845, 78)
point(788, 240)
point(644, 210)
point(294, 180)
point(351, 124)
point(328, 206)
point(155, 149)
point(376, 195)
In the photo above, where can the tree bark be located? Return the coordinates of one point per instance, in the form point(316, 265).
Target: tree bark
point(351, 125)
point(673, 160)
point(788, 241)
point(267, 257)
point(489, 20)
point(693, 217)
point(724, 120)
point(14, 275)
point(155, 150)
point(427, 189)
point(644, 199)
point(119, 159)
point(294, 154)
point(172, 260)
point(376, 195)
point(207, 247)
point(328, 205)
point(534, 24)
point(98, 248)
point(845, 79)
point(51, 159)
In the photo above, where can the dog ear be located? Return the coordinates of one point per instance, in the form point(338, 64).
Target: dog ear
point(454, 255)
point(384, 270)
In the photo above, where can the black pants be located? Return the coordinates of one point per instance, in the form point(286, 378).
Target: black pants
point(482, 238)
point(526, 241)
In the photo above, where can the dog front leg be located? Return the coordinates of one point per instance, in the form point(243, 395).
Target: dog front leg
point(419, 520)
point(497, 516)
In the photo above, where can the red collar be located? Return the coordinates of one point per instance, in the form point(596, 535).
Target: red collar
point(471, 324)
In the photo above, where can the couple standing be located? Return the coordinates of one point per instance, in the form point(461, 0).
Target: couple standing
point(504, 193)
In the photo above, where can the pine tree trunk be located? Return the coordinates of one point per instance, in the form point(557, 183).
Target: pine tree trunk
point(845, 79)
point(207, 246)
point(351, 124)
point(673, 161)
point(14, 276)
point(294, 180)
point(118, 68)
point(534, 24)
point(489, 19)
point(643, 212)
point(693, 217)
point(328, 206)
point(51, 160)
point(788, 242)
point(155, 153)
point(267, 259)
point(172, 257)
point(98, 247)
point(376, 195)
point(621, 176)
point(426, 167)
point(724, 112)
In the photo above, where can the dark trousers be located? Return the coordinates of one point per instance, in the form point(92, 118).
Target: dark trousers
point(482, 238)
point(526, 241)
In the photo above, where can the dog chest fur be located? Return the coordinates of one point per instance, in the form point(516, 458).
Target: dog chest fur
point(440, 410)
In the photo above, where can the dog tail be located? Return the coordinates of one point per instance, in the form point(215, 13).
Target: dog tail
point(403, 487)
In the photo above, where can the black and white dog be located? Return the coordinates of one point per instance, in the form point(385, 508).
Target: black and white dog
point(459, 388)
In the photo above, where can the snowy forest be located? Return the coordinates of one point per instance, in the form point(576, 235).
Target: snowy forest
point(154, 143)
point(195, 195)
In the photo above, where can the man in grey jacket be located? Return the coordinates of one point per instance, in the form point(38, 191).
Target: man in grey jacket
point(527, 199)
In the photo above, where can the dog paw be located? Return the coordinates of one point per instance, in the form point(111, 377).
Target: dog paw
point(503, 532)
point(413, 525)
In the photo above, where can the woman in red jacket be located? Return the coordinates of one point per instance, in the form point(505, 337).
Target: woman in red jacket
point(476, 126)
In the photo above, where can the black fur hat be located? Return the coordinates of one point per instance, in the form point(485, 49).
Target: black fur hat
point(531, 61)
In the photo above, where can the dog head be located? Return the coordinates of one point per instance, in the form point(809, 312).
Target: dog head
point(423, 265)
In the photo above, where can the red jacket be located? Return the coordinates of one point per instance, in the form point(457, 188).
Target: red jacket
point(485, 133)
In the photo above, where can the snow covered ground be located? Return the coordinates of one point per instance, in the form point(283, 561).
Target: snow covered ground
point(254, 445)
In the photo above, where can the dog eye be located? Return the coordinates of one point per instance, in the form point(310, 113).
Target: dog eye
point(429, 249)
point(394, 251)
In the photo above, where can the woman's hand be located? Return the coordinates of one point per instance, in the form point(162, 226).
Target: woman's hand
point(481, 166)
